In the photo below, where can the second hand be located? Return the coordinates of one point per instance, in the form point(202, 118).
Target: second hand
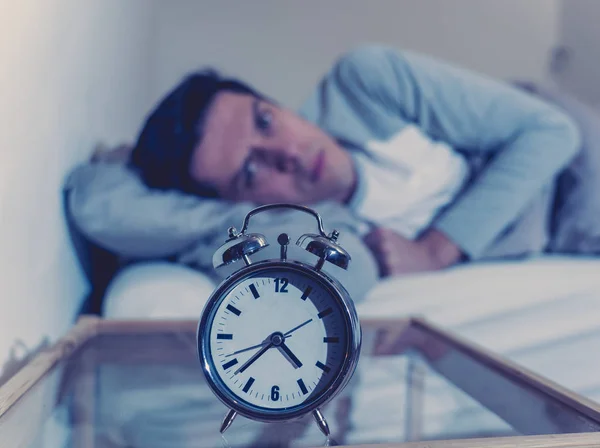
point(262, 344)
point(265, 342)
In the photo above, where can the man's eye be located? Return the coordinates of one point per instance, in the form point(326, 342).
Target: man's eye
point(264, 120)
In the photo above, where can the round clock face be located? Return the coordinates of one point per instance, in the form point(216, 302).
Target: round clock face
point(278, 340)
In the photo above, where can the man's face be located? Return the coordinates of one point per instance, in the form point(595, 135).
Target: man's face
point(252, 150)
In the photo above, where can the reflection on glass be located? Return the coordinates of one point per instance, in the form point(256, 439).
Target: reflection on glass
point(148, 391)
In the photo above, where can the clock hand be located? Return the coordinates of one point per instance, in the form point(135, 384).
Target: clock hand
point(289, 355)
point(296, 328)
point(262, 344)
point(254, 357)
point(266, 341)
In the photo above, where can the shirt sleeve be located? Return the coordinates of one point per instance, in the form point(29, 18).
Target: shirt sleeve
point(110, 205)
point(530, 141)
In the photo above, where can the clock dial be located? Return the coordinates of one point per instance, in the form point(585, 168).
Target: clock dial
point(277, 339)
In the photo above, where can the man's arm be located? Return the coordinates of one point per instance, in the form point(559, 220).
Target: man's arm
point(113, 208)
point(531, 140)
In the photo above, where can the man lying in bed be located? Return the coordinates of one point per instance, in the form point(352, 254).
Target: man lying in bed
point(427, 164)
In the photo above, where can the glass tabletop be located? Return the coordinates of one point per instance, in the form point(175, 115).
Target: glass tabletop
point(140, 385)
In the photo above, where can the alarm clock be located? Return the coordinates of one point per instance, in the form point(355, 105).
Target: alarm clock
point(278, 338)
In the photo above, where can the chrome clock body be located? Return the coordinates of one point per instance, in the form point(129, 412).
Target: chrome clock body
point(278, 339)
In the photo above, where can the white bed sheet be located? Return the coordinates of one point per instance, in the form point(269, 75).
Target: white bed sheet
point(542, 313)
point(539, 313)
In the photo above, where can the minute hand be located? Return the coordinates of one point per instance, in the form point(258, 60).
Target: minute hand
point(254, 358)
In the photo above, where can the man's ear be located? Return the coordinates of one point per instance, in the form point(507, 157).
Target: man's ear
point(117, 154)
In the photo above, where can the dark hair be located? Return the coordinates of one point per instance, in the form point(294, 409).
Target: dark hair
point(165, 145)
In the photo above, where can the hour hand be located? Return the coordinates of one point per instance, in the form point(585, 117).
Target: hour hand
point(289, 355)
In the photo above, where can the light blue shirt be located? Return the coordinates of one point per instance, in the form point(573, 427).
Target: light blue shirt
point(373, 92)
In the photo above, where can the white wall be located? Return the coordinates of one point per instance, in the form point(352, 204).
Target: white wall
point(283, 46)
point(72, 73)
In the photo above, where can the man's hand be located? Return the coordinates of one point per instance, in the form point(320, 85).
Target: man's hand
point(397, 255)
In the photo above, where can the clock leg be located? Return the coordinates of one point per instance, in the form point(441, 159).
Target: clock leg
point(228, 420)
point(321, 422)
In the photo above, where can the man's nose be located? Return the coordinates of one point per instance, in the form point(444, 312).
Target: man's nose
point(286, 159)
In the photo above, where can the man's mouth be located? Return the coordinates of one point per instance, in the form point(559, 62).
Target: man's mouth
point(317, 169)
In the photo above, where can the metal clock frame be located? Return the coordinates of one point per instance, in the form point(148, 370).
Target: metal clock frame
point(239, 247)
point(352, 349)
